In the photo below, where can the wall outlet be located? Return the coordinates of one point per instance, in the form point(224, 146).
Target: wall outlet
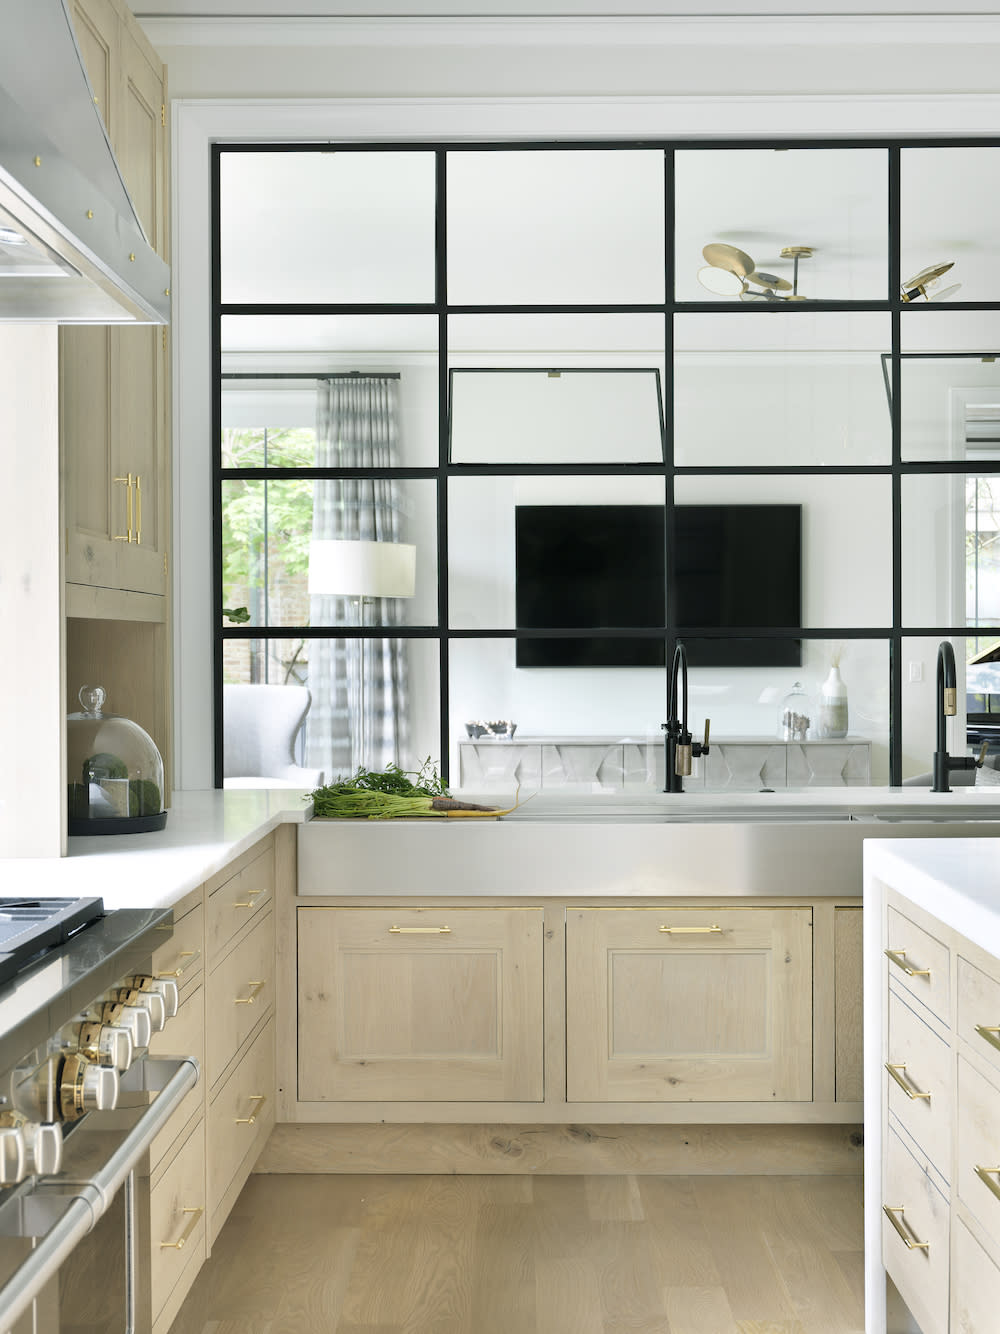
point(916, 671)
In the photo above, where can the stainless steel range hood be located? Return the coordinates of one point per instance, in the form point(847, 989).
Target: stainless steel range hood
point(72, 250)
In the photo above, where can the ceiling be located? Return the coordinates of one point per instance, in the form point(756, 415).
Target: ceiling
point(549, 8)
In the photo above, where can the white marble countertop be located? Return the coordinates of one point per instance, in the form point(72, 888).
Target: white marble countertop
point(205, 831)
point(957, 880)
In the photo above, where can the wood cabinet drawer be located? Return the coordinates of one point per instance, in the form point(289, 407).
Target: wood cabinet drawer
point(181, 957)
point(978, 1007)
point(237, 902)
point(420, 1004)
point(685, 1004)
point(239, 1121)
point(975, 1285)
point(915, 1248)
point(919, 962)
point(240, 993)
point(918, 1082)
point(177, 1220)
point(978, 1157)
point(184, 1035)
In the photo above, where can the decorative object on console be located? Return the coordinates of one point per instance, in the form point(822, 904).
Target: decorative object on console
point(117, 773)
point(793, 721)
point(504, 730)
point(833, 703)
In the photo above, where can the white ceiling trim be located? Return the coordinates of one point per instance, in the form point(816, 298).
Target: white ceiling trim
point(760, 31)
point(456, 119)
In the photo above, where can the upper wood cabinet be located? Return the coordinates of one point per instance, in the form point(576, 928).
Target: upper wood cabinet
point(685, 1004)
point(113, 381)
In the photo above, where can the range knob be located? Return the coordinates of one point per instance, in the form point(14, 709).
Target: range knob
point(151, 1001)
point(13, 1166)
point(131, 1017)
point(86, 1087)
point(106, 1044)
point(43, 1142)
point(163, 986)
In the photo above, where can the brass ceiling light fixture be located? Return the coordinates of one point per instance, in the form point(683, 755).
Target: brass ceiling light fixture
point(730, 272)
point(923, 284)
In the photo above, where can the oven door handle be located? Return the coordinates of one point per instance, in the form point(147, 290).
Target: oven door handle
point(91, 1198)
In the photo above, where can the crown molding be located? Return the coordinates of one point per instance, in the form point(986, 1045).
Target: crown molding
point(756, 31)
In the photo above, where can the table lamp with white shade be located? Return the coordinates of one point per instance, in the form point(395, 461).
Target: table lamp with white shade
point(365, 570)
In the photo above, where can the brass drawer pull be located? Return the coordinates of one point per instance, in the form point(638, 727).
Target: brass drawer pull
point(419, 930)
point(986, 1175)
point(185, 1236)
point(898, 957)
point(260, 1100)
point(691, 930)
point(255, 989)
point(910, 1093)
point(988, 1033)
point(890, 1212)
point(138, 509)
point(191, 955)
point(249, 901)
point(127, 481)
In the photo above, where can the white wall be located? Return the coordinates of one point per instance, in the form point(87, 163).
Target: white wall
point(32, 679)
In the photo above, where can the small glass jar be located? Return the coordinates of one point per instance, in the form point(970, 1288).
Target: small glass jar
point(115, 772)
point(793, 715)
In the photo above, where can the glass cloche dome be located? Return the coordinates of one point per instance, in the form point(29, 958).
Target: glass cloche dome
point(115, 772)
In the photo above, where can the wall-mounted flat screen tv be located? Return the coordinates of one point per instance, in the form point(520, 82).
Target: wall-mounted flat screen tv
point(585, 567)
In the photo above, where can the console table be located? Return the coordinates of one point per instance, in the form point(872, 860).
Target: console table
point(617, 763)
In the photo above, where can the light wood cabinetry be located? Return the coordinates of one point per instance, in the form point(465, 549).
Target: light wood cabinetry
point(200, 1160)
point(114, 415)
point(421, 1004)
point(689, 1004)
point(940, 1129)
point(553, 1013)
point(239, 1068)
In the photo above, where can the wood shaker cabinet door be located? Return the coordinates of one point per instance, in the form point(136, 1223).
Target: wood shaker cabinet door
point(689, 1004)
point(420, 1004)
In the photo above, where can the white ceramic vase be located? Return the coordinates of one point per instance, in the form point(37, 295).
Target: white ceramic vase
point(833, 706)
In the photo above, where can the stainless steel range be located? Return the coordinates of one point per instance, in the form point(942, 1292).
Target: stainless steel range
point(80, 1102)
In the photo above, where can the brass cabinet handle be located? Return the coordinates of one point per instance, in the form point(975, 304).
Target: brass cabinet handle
point(249, 902)
point(691, 930)
point(191, 955)
point(898, 957)
point(986, 1175)
point(138, 508)
point(185, 1236)
point(419, 930)
point(260, 1100)
point(988, 1033)
point(890, 1212)
point(127, 482)
point(910, 1092)
point(255, 989)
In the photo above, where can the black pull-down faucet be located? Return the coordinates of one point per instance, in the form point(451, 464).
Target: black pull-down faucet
point(947, 707)
point(678, 746)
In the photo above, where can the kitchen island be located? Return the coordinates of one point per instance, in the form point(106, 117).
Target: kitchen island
point(932, 1085)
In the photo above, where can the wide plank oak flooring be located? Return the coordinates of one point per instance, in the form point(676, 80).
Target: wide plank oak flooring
point(535, 1255)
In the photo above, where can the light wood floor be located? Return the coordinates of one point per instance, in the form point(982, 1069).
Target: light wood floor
point(535, 1255)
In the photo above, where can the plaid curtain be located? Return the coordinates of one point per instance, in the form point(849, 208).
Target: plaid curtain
point(357, 426)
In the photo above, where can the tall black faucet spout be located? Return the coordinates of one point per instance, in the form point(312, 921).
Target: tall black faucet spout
point(676, 727)
point(946, 707)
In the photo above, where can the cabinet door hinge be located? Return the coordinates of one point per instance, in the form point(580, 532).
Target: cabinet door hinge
point(163, 114)
point(164, 338)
